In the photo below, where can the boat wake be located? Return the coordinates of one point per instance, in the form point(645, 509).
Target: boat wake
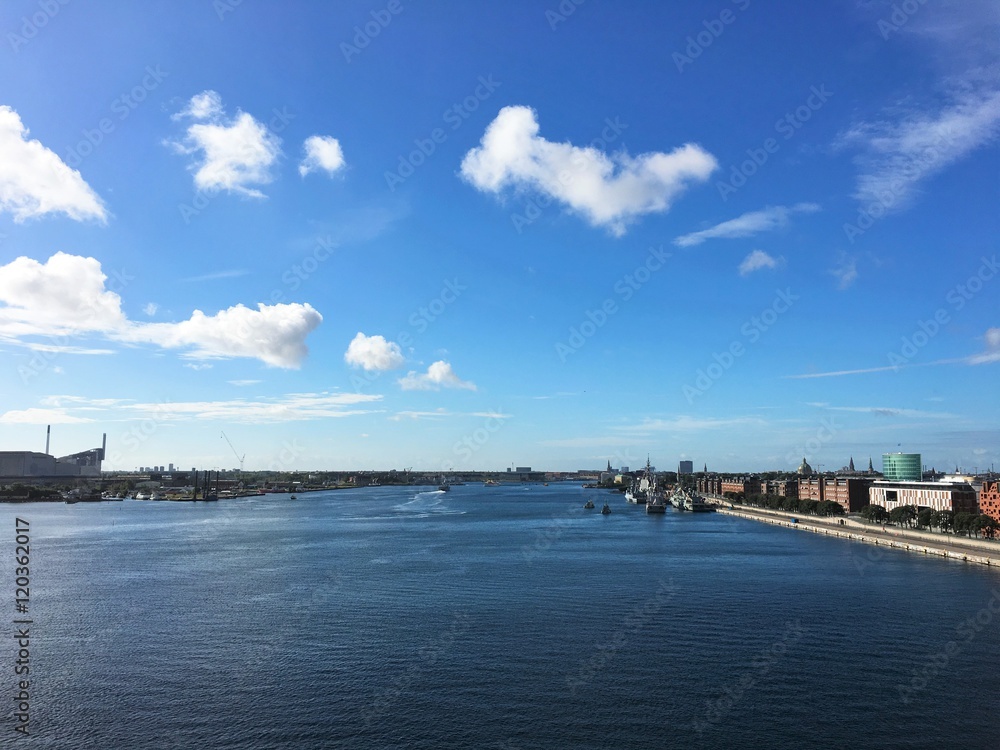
point(428, 503)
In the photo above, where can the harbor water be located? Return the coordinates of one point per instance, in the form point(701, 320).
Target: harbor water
point(488, 617)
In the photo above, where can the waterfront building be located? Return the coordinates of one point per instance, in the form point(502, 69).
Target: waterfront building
point(901, 467)
point(850, 492)
point(811, 489)
point(781, 487)
point(989, 500)
point(955, 496)
point(745, 486)
point(709, 485)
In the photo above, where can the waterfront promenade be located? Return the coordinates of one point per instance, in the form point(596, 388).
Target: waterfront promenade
point(981, 551)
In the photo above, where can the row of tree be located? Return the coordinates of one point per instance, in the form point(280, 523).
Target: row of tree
point(789, 504)
point(911, 516)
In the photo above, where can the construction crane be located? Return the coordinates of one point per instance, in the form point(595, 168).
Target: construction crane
point(238, 456)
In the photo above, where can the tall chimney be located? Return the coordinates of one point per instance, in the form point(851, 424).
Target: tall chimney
point(48, 433)
point(104, 446)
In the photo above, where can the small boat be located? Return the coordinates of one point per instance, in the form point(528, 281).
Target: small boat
point(293, 497)
point(589, 505)
point(491, 483)
point(606, 509)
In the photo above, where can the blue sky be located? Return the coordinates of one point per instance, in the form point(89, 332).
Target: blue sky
point(470, 235)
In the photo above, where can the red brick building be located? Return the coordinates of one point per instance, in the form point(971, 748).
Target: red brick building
point(989, 500)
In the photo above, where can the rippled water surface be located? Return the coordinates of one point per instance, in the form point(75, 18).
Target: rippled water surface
point(490, 617)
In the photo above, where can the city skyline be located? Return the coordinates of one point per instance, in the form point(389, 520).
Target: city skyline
point(571, 233)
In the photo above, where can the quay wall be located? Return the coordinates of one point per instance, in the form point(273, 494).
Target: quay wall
point(980, 556)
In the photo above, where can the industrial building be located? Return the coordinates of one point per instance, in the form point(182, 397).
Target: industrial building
point(21, 465)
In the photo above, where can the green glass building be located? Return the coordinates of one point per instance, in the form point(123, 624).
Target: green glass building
point(902, 467)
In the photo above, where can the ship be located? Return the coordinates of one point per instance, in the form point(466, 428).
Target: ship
point(606, 509)
point(589, 505)
point(696, 503)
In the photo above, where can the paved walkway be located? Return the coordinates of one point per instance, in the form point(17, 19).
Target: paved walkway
point(981, 551)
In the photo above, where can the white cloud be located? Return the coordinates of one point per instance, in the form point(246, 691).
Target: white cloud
point(992, 353)
point(150, 308)
point(242, 383)
point(846, 271)
point(285, 408)
point(607, 190)
point(765, 220)
point(66, 296)
point(274, 334)
point(236, 153)
point(757, 260)
point(204, 106)
point(899, 155)
point(322, 152)
point(438, 375)
point(688, 424)
point(373, 353)
point(34, 181)
point(41, 416)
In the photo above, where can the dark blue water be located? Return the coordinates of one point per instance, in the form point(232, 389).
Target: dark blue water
point(488, 618)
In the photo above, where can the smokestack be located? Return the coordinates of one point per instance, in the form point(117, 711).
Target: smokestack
point(48, 433)
point(104, 446)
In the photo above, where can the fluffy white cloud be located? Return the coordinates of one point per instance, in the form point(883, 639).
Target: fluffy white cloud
point(236, 153)
point(607, 190)
point(66, 296)
point(274, 334)
point(322, 152)
point(757, 260)
point(34, 181)
point(373, 353)
point(772, 217)
point(439, 375)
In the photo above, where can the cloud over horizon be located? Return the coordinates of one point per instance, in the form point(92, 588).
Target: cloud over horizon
point(66, 296)
point(607, 190)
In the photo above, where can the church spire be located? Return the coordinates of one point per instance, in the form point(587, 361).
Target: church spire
point(850, 466)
